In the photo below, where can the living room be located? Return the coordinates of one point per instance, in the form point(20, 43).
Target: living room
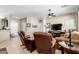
point(39, 29)
point(57, 19)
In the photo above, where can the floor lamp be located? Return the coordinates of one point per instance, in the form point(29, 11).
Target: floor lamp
point(69, 25)
point(70, 43)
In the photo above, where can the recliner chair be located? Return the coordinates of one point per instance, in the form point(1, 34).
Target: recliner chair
point(29, 44)
point(44, 42)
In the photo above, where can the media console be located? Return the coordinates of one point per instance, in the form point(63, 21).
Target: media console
point(56, 34)
point(56, 30)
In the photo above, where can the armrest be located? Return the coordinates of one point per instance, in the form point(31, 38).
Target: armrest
point(28, 36)
point(53, 42)
point(53, 45)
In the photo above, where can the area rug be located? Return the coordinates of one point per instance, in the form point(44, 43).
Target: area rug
point(3, 51)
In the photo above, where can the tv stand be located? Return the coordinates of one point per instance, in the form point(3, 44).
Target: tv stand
point(56, 33)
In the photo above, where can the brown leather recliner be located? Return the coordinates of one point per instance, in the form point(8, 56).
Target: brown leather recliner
point(22, 38)
point(44, 42)
point(24, 35)
point(26, 41)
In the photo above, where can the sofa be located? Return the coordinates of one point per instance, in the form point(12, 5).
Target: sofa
point(75, 35)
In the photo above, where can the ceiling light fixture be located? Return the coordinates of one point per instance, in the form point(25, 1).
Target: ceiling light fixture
point(50, 14)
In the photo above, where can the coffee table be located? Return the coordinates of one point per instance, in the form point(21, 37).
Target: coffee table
point(67, 49)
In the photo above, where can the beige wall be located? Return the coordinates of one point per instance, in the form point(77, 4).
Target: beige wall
point(13, 25)
point(54, 20)
point(62, 19)
point(33, 21)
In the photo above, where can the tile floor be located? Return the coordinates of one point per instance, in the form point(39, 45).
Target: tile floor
point(13, 47)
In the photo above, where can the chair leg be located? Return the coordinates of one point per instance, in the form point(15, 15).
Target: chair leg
point(22, 45)
point(54, 49)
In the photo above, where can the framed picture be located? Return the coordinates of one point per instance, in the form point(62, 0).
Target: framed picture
point(28, 24)
point(34, 26)
point(48, 25)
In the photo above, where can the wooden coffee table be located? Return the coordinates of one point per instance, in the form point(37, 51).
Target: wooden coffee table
point(67, 49)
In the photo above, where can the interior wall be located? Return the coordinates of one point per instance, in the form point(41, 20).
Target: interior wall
point(35, 25)
point(13, 24)
point(62, 19)
point(22, 24)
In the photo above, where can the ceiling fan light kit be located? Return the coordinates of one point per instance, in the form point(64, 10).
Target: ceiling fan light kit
point(50, 14)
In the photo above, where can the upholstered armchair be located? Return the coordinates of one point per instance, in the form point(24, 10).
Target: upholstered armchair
point(44, 42)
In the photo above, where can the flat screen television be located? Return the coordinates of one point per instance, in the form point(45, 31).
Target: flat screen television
point(56, 27)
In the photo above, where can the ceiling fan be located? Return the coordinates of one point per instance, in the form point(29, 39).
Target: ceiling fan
point(63, 6)
point(51, 14)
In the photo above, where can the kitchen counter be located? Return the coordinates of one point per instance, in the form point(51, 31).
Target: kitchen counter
point(4, 35)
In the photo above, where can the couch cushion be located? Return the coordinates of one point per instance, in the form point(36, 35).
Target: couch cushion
point(75, 35)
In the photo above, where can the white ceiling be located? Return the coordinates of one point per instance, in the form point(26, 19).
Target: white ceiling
point(36, 10)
